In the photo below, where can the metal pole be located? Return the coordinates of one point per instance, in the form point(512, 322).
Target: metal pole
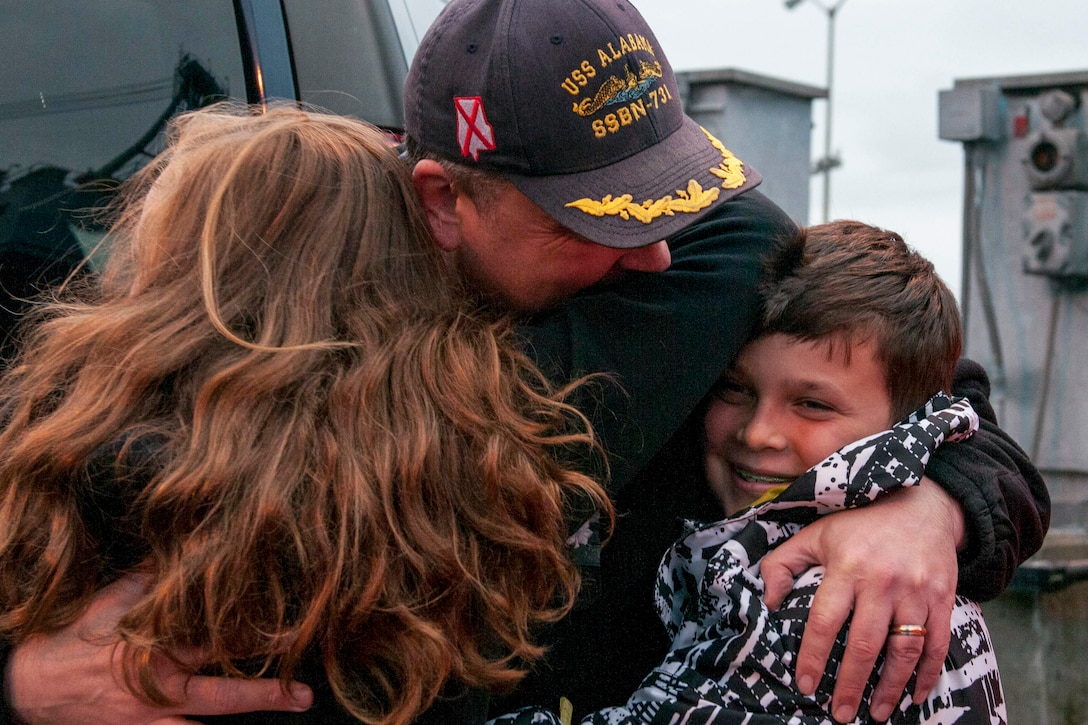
point(827, 163)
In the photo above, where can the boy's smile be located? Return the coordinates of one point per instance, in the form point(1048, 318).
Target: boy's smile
point(786, 405)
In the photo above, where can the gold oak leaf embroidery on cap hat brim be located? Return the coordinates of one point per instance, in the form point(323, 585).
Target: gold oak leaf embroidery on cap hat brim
point(689, 200)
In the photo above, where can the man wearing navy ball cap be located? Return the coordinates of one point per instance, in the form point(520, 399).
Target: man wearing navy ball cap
point(562, 177)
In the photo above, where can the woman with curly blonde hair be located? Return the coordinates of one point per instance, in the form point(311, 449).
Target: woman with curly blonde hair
point(280, 406)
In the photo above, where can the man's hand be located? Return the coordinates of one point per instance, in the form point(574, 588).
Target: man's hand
point(893, 563)
point(74, 676)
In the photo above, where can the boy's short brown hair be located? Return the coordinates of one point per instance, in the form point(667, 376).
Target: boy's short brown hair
point(854, 281)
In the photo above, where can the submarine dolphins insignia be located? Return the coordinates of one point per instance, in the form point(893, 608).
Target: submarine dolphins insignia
point(616, 90)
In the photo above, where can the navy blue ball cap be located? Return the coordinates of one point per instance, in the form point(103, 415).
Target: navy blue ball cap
point(575, 103)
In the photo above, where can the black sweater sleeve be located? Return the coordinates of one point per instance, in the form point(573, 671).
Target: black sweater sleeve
point(662, 337)
point(1004, 499)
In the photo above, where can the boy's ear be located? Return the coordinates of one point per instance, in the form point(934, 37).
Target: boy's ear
point(439, 202)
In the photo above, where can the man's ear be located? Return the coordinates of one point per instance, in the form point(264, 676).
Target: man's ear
point(439, 202)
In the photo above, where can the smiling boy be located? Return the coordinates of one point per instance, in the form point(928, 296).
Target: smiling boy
point(858, 333)
point(786, 405)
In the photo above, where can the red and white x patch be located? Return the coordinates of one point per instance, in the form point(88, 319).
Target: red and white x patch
point(474, 133)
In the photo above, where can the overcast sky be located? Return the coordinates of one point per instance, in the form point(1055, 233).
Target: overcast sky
point(891, 59)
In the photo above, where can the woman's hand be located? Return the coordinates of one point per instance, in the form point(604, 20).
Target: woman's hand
point(74, 676)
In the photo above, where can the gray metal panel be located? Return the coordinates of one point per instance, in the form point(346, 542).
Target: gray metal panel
point(1029, 330)
point(970, 113)
point(1035, 82)
point(736, 76)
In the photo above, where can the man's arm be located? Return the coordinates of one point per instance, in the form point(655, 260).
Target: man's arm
point(1004, 498)
point(687, 333)
point(896, 563)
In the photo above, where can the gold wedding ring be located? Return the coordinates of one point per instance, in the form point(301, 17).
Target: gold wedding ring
point(908, 630)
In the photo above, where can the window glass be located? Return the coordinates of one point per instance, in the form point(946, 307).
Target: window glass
point(349, 59)
point(85, 89)
point(413, 17)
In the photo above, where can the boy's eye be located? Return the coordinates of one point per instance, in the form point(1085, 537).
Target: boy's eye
point(816, 406)
point(730, 390)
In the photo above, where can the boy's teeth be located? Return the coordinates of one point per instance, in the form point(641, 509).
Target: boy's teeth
point(756, 478)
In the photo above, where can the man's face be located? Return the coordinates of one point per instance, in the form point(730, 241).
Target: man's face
point(512, 250)
point(785, 406)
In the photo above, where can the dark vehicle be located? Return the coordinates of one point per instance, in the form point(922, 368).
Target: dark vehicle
point(87, 86)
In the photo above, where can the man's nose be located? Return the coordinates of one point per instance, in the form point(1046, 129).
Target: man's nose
point(654, 257)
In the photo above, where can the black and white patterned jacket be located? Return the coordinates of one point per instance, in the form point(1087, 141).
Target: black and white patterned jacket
point(731, 659)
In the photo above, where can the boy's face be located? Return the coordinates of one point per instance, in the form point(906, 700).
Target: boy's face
point(785, 406)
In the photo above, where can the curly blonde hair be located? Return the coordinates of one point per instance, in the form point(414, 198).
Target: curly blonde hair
point(350, 458)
